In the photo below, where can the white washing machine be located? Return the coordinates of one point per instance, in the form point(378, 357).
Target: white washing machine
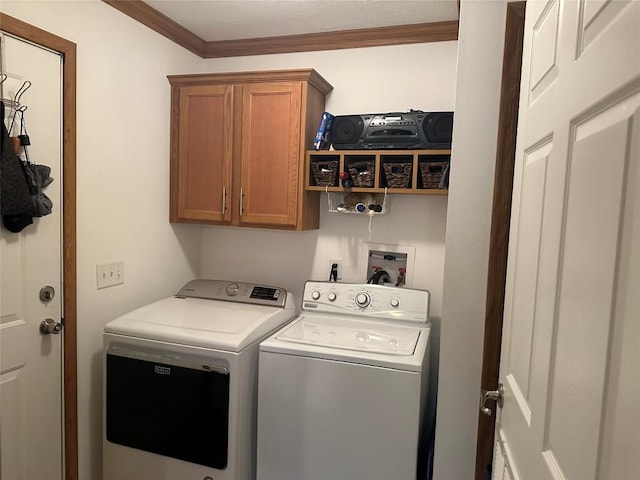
point(180, 382)
point(342, 389)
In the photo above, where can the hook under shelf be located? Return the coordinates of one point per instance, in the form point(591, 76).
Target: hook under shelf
point(359, 208)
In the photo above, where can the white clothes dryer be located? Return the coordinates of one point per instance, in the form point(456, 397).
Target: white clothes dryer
point(180, 382)
point(343, 388)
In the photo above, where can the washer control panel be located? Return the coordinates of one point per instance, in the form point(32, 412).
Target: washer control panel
point(367, 300)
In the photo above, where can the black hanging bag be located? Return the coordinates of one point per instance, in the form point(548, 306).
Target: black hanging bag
point(22, 208)
point(16, 204)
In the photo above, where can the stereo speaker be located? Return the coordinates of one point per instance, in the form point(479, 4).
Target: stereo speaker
point(347, 130)
point(412, 130)
point(438, 127)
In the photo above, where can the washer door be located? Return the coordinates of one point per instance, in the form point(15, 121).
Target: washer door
point(354, 335)
point(170, 408)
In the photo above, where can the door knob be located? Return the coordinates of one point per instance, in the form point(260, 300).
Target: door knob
point(497, 395)
point(49, 326)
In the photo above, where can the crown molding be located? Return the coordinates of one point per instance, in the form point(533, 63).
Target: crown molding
point(152, 18)
point(360, 38)
point(309, 42)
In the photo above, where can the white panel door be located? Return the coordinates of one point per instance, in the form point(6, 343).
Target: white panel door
point(570, 354)
point(30, 362)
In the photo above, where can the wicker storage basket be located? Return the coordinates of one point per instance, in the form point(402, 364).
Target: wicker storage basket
point(398, 174)
point(362, 173)
point(431, 173)
point(325, 173)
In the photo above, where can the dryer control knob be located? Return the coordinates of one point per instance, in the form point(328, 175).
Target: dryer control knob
point(394, 302)
point(332, 297)
point(315, 295)
point(232, 289)
point(363, 299)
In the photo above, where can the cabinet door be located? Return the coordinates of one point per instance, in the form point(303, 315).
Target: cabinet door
point(271, 152)
point(201, 163)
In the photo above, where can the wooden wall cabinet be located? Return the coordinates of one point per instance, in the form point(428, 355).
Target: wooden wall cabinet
point(238, 143)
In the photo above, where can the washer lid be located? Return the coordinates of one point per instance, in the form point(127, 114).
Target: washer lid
point(375, 342)
point(201, 322)
point(352, 335)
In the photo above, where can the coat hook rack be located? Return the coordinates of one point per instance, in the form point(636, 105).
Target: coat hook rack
point(14, 103)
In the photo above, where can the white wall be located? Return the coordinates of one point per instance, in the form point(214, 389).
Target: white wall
point(122, 180)
point(480, 45)
point(123, 150)
point(381, 79)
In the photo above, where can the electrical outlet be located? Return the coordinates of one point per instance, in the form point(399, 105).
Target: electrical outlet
point(338, 262)
point(109, 274)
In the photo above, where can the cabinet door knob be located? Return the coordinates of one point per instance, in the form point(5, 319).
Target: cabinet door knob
point(241, 201)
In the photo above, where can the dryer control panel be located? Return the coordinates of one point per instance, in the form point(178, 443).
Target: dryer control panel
point(367, 301)
point(235, 292)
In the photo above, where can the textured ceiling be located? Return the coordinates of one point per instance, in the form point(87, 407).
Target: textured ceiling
point(214, 20)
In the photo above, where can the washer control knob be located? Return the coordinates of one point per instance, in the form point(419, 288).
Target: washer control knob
point(363, 299)
point(315, 295)
point(232, 289)
point(332, 297)
point(394, 302)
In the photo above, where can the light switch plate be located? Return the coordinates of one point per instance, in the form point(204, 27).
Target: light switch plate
point(109, 274)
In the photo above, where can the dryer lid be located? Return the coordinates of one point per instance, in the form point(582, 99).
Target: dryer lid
point(202, 322)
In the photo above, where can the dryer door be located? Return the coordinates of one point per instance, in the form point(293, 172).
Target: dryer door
point(168, 407)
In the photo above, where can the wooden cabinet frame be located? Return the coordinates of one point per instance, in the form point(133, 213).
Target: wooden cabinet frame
point(254, 129)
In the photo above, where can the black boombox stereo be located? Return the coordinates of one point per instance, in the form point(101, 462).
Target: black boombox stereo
point(413, 130)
